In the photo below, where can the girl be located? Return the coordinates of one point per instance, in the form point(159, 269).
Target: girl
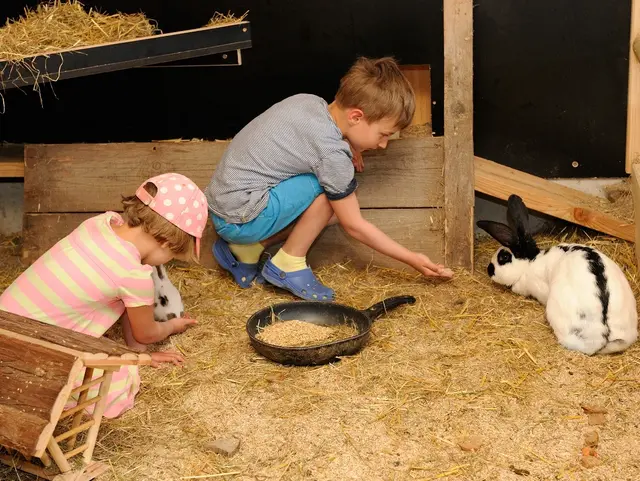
point(101, 273)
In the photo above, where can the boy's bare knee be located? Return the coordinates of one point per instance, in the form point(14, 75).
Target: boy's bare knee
point(333, 221)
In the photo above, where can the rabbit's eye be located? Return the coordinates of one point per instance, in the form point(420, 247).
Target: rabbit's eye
point(504, 257)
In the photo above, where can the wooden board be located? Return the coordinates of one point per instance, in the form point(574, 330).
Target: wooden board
point(92, 177)
point(635, 189)
point(33, 379)
point(416, 229)
point(42, 231)
point(547, 197)
point(419, 77)
point(633, 92)
point(11, 160)
point(66, 338)
point(11, 169)
point(420, 230)
point(113, 56)
point(458, 132)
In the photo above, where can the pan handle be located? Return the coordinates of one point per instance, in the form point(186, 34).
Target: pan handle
point(389, 304)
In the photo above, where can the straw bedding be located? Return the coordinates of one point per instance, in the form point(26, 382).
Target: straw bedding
point(469, 383)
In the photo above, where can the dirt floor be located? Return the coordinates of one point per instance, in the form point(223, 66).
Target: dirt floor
point(470, 365)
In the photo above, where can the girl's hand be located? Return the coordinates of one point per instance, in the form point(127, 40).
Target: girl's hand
point(157, 358)
point(180, 324)
point(425, 266)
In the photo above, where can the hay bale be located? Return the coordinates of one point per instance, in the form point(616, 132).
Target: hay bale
point(63, 25)
point(59, 26)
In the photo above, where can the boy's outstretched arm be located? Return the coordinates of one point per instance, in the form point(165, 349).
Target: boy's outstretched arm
point(347, 211)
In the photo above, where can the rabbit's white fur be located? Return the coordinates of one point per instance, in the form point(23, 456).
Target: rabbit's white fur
point(589, 303)
point(167, 299)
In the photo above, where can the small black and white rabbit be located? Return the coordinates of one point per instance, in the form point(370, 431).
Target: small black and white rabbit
point(167, 301)
point(589, 303)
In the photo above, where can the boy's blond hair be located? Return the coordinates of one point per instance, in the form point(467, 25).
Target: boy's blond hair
point(137, 214)
point(378, 88)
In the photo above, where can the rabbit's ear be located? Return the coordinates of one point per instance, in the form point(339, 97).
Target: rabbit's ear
point(500, 232)
point(518, 218)
point(518, 215)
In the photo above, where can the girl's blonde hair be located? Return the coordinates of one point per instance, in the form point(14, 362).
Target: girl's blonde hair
point(136, 214)
point(378, 88)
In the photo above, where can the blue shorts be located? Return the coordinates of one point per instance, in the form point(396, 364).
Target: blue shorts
point(287, 201)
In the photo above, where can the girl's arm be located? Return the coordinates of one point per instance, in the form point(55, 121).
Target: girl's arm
point(144, 329)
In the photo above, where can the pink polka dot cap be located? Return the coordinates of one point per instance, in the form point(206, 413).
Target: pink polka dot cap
point(180, 201)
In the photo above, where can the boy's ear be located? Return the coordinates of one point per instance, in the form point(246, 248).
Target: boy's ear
point(354, 116)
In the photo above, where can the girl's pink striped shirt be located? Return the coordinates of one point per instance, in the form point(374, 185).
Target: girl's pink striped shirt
point(85, 281)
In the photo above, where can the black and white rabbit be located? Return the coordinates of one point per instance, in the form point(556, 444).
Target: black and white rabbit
point(167, 301)
point(589, 303)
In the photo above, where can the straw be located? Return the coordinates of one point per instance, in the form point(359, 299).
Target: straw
point(61, 25)
point(469, 358)
point(226, 19)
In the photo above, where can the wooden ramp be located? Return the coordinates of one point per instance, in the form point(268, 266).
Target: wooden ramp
point(548, 198)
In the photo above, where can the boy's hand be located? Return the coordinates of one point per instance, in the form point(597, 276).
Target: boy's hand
point(157, 358)
point(425, 266)
point(180, 324)
point(358, 162)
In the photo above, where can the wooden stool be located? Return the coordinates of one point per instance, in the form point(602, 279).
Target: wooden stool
point(39, 364)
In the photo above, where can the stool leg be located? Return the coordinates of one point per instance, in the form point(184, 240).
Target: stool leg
point(46, 460)
point(92, 434)
point(58, 456)
point(77, 418)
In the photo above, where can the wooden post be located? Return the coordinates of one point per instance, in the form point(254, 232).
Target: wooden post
point(633, 99)
point(458, 132)
point(98, 411)
point(635, 189)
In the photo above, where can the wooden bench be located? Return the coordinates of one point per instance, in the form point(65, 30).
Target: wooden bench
point(39, 364)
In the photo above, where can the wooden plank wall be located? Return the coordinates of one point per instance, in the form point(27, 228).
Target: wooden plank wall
point(401, 191)
point(458, 132)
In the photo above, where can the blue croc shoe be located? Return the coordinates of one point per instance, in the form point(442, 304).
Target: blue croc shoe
point(242, 273)
point(301, 283)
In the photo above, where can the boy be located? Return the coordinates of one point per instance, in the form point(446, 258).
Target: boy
point(290, 172)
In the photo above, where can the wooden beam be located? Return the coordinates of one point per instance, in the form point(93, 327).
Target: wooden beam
point(458, 132)
point(635, 189)
point(11, 160)
point(548, 198)
point(92, 177)
point(633, 95)
point(113, 56)
point(11, 169)
point(636, 47)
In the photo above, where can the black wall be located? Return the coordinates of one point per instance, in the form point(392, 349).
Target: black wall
point(550, 76)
